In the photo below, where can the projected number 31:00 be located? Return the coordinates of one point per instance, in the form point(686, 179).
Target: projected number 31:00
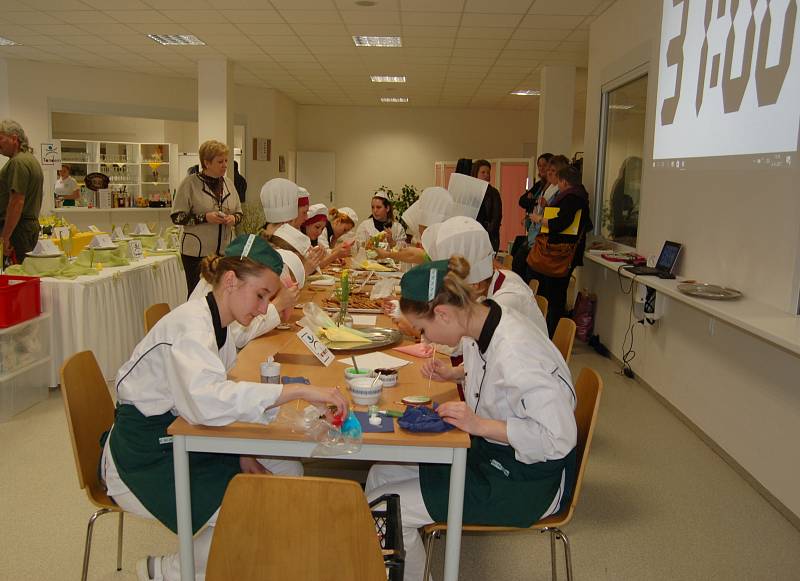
point(741, 19)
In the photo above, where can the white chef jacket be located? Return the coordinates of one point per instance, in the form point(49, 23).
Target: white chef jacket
point(322, 240)
point(66, 187)
point(521, 378)
point(367, 230)
point(242, 335)
point(177, 367)
point(512, 292)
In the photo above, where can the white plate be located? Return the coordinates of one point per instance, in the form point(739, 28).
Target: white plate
point(114, 247)
point(45, 255)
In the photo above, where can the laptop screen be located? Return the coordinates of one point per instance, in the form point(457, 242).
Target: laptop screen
point(669, 256)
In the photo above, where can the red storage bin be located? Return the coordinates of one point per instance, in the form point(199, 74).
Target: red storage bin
point(19, 299)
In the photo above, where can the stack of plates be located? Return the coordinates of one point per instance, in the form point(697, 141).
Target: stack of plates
point(709, 291)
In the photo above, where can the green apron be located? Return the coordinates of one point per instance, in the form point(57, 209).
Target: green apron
point(499, 489)
point(142, 453)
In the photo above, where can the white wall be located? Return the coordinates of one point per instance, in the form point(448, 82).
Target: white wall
point(740, 390)
point(377, 146)
point(107, 128)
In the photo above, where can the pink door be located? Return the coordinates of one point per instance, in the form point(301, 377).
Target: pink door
point(513, 177)
point(443, 171)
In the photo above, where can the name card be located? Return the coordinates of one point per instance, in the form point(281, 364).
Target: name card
point(93, 228)
point(135, 247)
point(317, 347)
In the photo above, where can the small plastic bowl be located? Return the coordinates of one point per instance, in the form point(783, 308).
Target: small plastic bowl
point(388, 377)
point(364, 391)
point(350, 373)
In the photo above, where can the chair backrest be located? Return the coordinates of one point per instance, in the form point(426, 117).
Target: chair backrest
point(534, 284)
point(542, 302)
point(588, 388)
point(90, 412)
point(507, 260)
point(280, 527)
point(153, 313)
point(564, 337)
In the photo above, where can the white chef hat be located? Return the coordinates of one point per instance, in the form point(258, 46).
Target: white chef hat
point(462, 235)
point(293, 264)
point(303, 197)
point(435, 205)
point(350, 212)
point(412, 217)
point(383, 195)
point(428, 240)
point(467, 193)
point(316, 213)
point(279, 200)
point(294, 238)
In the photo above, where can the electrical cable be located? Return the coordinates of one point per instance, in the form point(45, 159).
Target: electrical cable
point(628, 353)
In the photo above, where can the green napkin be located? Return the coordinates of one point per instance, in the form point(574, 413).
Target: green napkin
point(89, 257)
point(56, 267)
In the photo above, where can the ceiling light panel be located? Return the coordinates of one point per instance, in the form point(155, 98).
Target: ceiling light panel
point(394, 99)
point(176, 39)
point(527, 92)
point(387, 79)
point(378, 41)
point(7, 42)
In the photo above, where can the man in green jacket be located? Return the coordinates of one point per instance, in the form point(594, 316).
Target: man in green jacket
point(20, 192)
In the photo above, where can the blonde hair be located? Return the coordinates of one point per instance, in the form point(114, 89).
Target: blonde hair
point(455, 291)
point(334, 214)
point(211, 149)
point(214, 267)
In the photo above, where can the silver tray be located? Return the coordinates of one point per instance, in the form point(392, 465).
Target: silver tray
point(709, 291)
point(379, 337)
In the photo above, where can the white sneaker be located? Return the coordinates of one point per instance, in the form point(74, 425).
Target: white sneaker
point(143, 571)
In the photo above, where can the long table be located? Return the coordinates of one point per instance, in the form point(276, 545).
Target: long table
point(105, 313)
point(278, 439)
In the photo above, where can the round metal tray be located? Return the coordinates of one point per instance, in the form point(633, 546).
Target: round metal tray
point(379, 337)
point(709, 291)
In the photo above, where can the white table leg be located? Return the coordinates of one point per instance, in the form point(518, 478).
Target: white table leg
point(183, 505)
point(452, 551)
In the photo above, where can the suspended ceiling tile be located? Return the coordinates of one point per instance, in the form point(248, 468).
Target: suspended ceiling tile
point(227, 40)
point(573, 7)
point(311, 16)
point(336, 29)
point(201, 28)
point(532, 45)
point(429, 19)
point(430, 31)
point(480, 53)
point(116, 4)
point(179, 4)
point(252, 16)
point(374, 30)
point(265, 28)
point(494, 32)
point(551, 21)
point(108, 28)
point(539, 33)
point(137, 16)
point(427, 42)
point(278, 41)
point(578, 36)
point(57, 29)
point(309, 5)
point(49, 5)
point(480, 43)
point(489, 20)
point(363, 17)
point(458, 60)
point(327, 42)
point(293, 58)
point(163, 27)
point(83, 17)
point(193, 16)
point(498, 6)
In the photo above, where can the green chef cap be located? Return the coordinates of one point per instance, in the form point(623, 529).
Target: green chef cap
point(257, 249)
point(424, 281)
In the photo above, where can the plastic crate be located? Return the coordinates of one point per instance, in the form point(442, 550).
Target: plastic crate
point(388, 522)
point(22, 388)
point(24, 344)
point(19, 299)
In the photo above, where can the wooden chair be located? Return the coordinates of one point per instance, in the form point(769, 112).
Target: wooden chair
point(90, 412)
point(153, 313)
point(507, 261)
point(542, 302)
point(281, 527)
point(534, 284)
point(564, 337)
point(588, 388)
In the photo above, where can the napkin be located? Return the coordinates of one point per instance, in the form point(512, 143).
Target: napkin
point(421, 350)
point(387, 424)
point(372, 265)
point(423, 419)
point(377, 360)
point(45, 247)
point(118, 234)
point(344, 335)
point(101, 241)
point(142, 229)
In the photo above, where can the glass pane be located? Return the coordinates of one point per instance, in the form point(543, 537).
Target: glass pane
point(622, 175)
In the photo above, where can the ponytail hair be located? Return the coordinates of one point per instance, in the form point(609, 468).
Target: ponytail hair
point(455, 291)
point(214, 267)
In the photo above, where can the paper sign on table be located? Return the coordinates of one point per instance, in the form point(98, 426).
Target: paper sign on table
point(377, 360)
point(93, 228)
point(135, 247)
point(365, 320)
point(316, 346)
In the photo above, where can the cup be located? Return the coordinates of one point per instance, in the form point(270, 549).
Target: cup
point(388, 376)
point(365, 390)
point(350, 373)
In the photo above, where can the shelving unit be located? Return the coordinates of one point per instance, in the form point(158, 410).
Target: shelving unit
point(139, 173)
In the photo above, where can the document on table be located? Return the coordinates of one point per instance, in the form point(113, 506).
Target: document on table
point(376, 360)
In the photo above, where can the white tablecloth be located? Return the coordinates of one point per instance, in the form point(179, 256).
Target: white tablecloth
point(105, 313)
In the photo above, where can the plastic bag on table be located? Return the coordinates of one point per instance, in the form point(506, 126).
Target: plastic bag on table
point(314, 318)
point(383, 288)
point(336, 440)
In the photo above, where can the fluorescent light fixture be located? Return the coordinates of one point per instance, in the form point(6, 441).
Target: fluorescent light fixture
point(384, 41)
point(621, 107)
point(527, 92)
point(387, 79)
point(7, 42)
point(177, 39)
point(394, 99)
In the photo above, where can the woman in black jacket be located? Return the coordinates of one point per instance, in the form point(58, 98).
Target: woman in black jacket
point(490, 213)
point(571, 198)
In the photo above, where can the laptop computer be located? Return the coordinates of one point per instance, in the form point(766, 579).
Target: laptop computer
point(664, 266)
